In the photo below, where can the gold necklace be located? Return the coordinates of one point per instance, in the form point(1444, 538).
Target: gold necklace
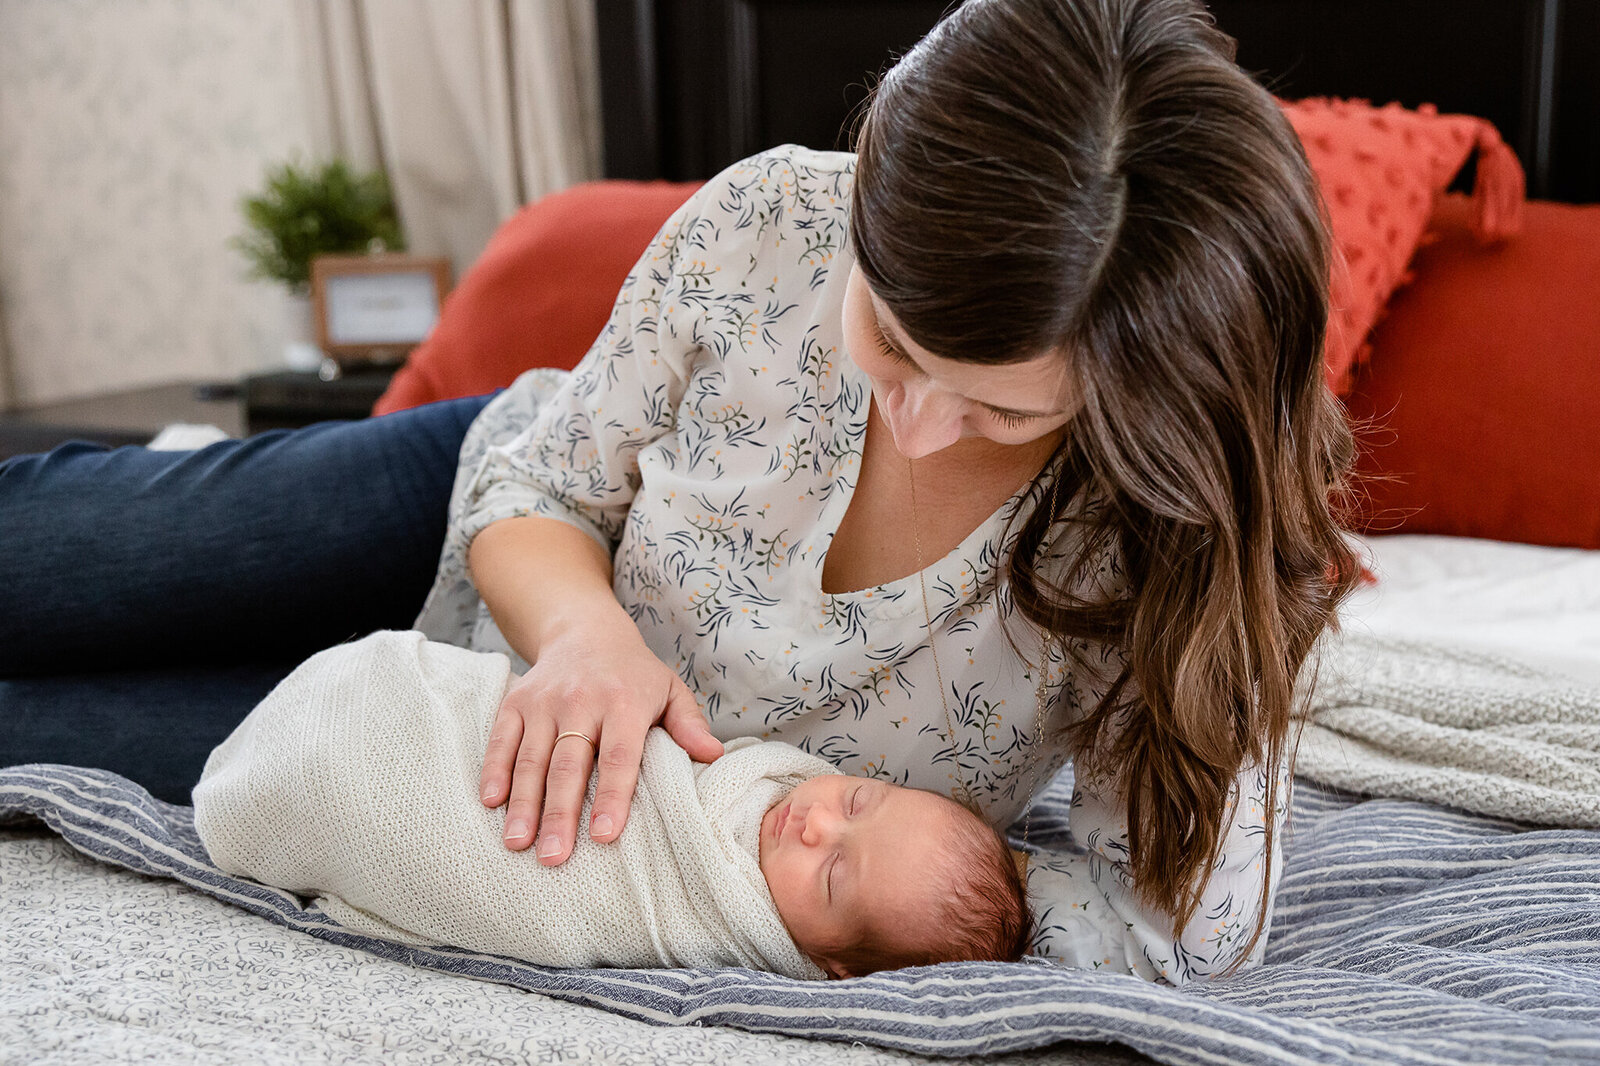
point(1041, 696)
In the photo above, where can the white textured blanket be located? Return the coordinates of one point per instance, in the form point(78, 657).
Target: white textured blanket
point(1457, 727)
point(356, 779)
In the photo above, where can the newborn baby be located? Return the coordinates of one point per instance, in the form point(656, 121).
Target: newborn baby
point(356, 779)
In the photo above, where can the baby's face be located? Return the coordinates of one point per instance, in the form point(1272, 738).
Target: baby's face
point(846, 855)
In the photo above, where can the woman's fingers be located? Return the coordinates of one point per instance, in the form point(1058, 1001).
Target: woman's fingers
point(687, 726)
point(505, 737)
point(540, 765)
point(570, 763)
point(532, 760)
point(621, 751)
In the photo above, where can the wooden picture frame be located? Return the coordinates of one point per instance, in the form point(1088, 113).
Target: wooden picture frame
point(373, 309)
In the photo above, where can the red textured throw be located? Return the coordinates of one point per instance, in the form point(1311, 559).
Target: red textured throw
point(1382, 170)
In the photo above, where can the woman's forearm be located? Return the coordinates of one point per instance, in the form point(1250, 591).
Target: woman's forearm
point(541, 576)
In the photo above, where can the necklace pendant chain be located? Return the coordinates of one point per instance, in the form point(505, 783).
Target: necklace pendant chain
point(1041, 695)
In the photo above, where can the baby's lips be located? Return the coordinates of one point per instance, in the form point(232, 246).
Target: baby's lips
point(781, 821)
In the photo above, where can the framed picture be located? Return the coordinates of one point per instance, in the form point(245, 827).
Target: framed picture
point(375, 308)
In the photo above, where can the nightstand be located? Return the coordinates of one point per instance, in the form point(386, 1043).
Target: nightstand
point(283, 400)
point(118, 418)
point(289, 399)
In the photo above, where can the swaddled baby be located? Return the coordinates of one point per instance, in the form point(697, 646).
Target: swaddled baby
point(356, 779)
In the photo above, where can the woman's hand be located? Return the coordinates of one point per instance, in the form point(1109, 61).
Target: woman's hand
point(604, 682)
point(548, 586)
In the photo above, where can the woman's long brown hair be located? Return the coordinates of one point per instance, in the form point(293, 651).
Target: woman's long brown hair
point(1097, 178)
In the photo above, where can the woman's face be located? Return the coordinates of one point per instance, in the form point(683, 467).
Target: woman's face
point(930, 402)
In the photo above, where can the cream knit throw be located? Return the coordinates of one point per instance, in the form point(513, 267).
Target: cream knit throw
point(356, 780)
point(1453, 727)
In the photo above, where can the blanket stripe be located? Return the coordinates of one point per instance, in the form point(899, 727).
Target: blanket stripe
point(1404, 934)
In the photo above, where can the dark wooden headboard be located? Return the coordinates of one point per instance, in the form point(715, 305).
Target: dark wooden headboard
point(689, 86)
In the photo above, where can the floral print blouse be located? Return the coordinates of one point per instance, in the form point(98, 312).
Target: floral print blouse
point(710, 441)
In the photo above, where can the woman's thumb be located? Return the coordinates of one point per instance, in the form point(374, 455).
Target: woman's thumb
point(687, 726)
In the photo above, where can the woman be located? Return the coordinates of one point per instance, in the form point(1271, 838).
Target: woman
point(1002, 444)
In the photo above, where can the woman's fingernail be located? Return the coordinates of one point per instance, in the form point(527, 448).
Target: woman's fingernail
point(601, 826)
point(516, 830)
point(488, 793)
point(549, 846)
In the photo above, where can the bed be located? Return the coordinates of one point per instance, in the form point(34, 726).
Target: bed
point(1406, 931)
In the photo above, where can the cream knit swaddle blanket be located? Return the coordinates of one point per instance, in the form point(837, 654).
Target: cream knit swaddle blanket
point(356, 780)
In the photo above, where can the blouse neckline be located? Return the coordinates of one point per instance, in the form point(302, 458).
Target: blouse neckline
point(903, 595)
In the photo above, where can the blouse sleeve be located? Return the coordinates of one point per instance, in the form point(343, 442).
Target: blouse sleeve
point(577, 460)
point(1088, 916)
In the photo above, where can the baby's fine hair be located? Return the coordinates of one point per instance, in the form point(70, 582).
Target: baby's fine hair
point(981, 910)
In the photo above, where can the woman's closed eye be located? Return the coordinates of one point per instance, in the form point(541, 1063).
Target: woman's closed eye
point(895, 353)
point(1004, 417)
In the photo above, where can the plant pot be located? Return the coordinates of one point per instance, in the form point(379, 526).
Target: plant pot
point(300, 351)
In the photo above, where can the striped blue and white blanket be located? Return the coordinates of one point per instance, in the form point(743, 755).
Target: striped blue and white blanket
point(1405, 933)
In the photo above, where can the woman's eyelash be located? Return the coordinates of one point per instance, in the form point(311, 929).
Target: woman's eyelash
point(1008, 419)
point(892, 352)
point(1003, 417)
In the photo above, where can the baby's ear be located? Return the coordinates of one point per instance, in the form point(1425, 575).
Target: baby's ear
point(837, 971)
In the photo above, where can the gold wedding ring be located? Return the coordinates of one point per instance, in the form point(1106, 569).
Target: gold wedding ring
point(574, 733)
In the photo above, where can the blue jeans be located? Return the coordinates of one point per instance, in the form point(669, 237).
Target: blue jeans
point(148, 599)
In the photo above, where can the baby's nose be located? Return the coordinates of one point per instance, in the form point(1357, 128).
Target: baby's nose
point(819, 826)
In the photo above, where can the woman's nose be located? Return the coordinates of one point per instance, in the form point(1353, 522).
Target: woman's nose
point(921, 419)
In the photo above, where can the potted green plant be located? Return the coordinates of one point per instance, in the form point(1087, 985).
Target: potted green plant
point(310, 210)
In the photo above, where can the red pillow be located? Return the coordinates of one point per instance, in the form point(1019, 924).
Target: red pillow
point(1484, 383)
point(540, 292)
point(1381, 169)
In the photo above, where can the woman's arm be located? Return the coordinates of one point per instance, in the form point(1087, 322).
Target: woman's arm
point(548, 585)
point(542, 515)
point(1089, 916)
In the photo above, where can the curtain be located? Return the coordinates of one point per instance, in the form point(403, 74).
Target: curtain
point(5, 364)
point(472, 107)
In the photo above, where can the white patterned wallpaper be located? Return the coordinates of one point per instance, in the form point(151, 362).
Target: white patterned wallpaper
point(129, 130)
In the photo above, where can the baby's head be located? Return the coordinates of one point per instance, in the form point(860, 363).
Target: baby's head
point(871, 876)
